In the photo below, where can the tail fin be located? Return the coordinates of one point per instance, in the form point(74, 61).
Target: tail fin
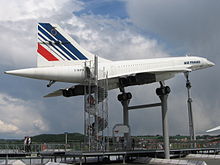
point(55, 47)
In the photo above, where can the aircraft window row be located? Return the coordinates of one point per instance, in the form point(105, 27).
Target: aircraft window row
point(192, 62)
point(130, 65)
point(78, 70)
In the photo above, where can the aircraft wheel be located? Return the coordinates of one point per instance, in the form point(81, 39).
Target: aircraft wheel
point(167, 90)
point(129, 95)
point(163, 91)
point(120, 97)
point(159, 91)
point(124, 96)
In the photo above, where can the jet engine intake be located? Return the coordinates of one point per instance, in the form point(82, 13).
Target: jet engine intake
point(80, 90)
point(68, 92)
point(74, 91)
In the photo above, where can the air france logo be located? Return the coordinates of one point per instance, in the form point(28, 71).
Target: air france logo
point(53, 31)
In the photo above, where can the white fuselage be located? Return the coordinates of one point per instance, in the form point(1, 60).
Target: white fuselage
point(162, 67)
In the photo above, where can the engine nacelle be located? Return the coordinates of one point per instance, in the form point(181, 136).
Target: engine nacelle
point(138, 79)
point(80, 90)
point(74, 91)
point(128, 81)
point(68, 92)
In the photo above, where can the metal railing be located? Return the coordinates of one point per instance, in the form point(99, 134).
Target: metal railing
point(175, 145)
point(81, 146)
point(38, 147)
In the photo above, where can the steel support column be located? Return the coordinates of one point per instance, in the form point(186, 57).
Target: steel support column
point(190, 112)
point(163, 92)
point(165, 126)
point(124, 98)
point(126, 121)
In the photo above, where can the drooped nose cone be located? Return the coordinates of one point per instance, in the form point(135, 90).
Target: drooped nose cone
point(210, 64)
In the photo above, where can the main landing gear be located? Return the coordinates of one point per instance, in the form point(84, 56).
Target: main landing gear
point(163, 90)
point(124, 97)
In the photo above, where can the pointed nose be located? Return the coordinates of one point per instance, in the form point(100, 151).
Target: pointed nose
point(210, 64)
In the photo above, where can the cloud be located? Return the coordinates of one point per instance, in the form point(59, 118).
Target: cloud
point(189, 25)
point(19, 27)
point(99, 34)
point(114, 39)
point(7, 128)
point(18, 46)
point(21, 117)
point(33, 9)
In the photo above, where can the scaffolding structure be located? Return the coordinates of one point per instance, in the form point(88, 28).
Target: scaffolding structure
point(96, 107)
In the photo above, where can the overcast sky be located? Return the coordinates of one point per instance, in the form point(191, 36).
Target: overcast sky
point(116, 30)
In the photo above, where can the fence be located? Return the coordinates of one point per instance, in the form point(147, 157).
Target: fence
point(80, 146)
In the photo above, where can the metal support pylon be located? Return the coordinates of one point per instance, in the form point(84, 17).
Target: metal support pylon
point(125, 98)
point(163, 92)
point(190, 112)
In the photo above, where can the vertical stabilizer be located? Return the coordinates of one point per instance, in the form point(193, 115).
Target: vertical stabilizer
point(56, 47)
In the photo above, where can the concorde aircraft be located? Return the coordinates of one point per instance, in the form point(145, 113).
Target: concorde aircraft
point(61, 59)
